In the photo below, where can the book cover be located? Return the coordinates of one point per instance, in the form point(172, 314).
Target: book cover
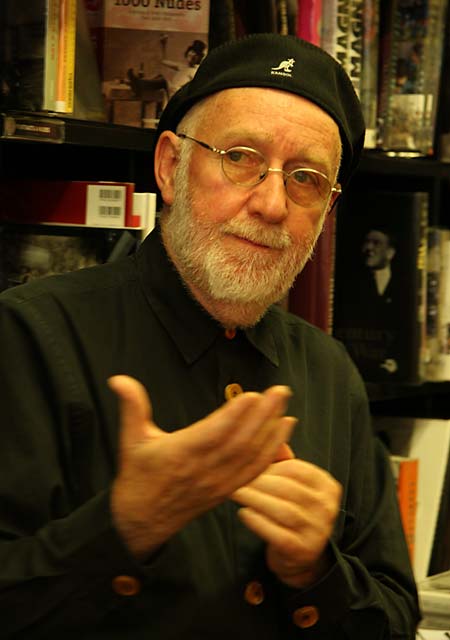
point(28, 252)
point(98, 204)
point(427, 440)
point(311, 295)
point(405, 471)
point(412, 36)
point(379, 283)
point(146, 52)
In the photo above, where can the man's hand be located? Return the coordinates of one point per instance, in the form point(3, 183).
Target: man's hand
point(167, 479)
point(292, 506)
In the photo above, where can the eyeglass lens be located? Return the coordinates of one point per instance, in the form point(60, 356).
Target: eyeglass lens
point(247, 167)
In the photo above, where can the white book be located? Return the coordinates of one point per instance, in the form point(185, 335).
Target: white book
point(428, 440)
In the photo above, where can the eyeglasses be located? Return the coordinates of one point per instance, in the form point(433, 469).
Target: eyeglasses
point(247, 167)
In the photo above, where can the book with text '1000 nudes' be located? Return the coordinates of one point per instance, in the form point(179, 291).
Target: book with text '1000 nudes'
point(379, 304)
point(146, 51)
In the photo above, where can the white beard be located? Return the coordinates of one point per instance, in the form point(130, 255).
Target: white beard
point(238, 276)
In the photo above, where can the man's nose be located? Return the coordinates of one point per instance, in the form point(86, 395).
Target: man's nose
point(269, 198)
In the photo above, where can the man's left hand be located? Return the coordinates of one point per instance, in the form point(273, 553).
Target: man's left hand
point(292, 506)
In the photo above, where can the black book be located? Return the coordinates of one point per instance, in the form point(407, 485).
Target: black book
point(379, 306)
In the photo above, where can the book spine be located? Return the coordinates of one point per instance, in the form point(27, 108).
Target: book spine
point(51, 55)
point(421, 300)
point(66, 56)
point(406, 473)
point(309, 20)
point(369, 70)
point(433, 269)
point(311, 296)
point(355, 44)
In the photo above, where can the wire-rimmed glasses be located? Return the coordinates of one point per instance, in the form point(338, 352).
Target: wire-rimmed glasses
point(247, 167)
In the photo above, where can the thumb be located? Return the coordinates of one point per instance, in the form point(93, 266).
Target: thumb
point(135, 410)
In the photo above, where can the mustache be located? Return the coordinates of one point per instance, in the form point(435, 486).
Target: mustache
point(276, 238)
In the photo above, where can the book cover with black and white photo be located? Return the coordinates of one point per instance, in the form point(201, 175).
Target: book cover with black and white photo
point(379, 305)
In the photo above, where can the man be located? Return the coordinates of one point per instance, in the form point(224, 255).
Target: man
point(378, 251)
point(371, 302)
point(184, 512)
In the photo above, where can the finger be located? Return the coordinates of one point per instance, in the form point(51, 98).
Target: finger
point(268, 530)
point(135, 410)
point(243, 421)
point(284, 453)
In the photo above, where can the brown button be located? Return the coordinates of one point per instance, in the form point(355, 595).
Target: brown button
point(126, 585)
point(305, 617)
point(232, 390)
point(254, 593)
point(230, 333)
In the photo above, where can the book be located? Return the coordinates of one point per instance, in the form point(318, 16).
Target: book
point(309, 21)
point(427, 440)
point(438, 306)
point(29, 252)
point(146, 52)
point(28, 56)
point(379, 283)
point(405, 471)
point(97, 204)
point(335, 34)
point(355, 44)
point(434, 599)
point(411, 39)
point(144, 207)
point(311, 295)
point(369, 70)
point(65, 78)
point(287, 11)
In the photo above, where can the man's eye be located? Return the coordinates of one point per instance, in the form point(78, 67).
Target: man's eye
point(303, 177)
point(236, 156)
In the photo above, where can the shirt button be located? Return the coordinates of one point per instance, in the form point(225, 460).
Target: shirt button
point(126, 585)
point(305, 617)
point(230, 333)
point(254, 593)
point(232, 390)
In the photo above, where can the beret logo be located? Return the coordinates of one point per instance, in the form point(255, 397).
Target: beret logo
point(284, 68)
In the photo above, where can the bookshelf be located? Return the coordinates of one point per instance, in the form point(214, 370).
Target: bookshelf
point(79, 150)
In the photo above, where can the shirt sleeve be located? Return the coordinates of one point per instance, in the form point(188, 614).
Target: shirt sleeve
point(370, 591)
point(59, 552)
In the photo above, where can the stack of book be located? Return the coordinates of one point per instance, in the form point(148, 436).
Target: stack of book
point(434, 598)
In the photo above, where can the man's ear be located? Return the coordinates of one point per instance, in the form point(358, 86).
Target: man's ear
point(333, 202)
point(166, 161)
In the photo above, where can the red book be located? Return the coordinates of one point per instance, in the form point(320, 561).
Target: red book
point(97, 204)
point(309, 20)
point(311, 296)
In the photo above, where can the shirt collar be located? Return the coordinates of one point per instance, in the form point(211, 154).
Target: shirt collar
point(191, 327)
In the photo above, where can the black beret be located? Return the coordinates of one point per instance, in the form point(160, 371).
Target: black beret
point(278, 62)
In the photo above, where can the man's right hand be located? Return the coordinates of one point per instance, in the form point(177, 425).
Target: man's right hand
point(167, 479)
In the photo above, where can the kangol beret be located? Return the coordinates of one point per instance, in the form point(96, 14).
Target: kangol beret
point(278, 62)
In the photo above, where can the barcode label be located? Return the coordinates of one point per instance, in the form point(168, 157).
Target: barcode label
point(110, 194)
point(105, 206)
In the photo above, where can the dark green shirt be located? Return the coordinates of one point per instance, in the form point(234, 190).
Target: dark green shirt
point(60, 339)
